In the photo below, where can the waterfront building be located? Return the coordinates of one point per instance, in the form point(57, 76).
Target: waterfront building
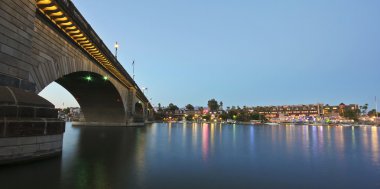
point(339, 110)
point(289, 110)
point(305, 110)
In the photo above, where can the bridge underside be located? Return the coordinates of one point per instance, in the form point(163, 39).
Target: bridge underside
point(98, 98)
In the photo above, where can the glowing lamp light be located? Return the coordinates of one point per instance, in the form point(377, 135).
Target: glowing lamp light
point(105, 78)
point(88, 78)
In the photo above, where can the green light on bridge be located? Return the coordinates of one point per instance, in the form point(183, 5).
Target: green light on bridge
point(105, 78)
point(88, 78)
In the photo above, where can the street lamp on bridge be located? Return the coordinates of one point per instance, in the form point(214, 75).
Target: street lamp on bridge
point(144, 89)
point(116, 47)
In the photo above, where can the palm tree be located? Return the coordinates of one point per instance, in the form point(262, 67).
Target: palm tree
point(364, 109)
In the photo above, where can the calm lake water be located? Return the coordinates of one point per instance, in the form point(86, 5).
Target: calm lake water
point(182, 156)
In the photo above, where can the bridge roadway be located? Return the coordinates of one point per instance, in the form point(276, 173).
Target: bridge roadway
point(45, 41)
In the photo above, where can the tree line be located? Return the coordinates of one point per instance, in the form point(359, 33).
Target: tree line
point(215, 111)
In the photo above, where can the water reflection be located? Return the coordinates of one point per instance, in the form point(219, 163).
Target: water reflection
point(208, 156)
point(184, 125)
point(170, 131)
point(194, 135)
point(375, 145)
point(212, 138)
point(251, 135)
point(205, 141)
point(102, 154)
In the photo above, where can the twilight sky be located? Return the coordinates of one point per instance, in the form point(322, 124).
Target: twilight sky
point(243, 52)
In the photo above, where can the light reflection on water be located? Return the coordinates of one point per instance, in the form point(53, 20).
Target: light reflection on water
point(205, 141)
point(190, 155)
point(375, 145)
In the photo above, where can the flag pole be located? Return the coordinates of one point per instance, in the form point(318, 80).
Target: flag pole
point(376, 107)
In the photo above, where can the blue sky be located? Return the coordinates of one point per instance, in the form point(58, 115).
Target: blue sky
point(243, 52)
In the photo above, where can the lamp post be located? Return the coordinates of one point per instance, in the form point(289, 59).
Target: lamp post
point(150, 102)
point(144, 89)
point(116, 47)
point(133, 69)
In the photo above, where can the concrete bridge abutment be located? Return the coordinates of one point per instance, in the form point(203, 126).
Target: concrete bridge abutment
point(29, 128)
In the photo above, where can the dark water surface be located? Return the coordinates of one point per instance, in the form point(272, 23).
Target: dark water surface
point(181, 156)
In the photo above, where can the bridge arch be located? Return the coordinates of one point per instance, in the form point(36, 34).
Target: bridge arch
point(54, 42)
point(139, 109)
point(138, 115)
point(99, 99)
point(54, 55)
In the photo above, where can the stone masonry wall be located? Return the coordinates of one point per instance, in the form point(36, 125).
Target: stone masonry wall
point(33, 51)
point(26, 148)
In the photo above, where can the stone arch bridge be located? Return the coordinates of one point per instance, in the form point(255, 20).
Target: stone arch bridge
point(45, 41)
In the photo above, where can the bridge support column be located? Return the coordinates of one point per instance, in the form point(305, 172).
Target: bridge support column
point(131, 100)
point(29, 128)
point(146, 112)
point(150, 114)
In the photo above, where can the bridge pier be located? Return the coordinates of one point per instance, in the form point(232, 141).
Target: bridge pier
point(29, 128)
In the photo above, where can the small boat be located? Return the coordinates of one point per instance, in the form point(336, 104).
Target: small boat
point(231, 121)
point(346, 125)
point(272, 124)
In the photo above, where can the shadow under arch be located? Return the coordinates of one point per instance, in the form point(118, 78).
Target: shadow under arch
point(139, 112)
point(98, 98)
point(139, 108)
